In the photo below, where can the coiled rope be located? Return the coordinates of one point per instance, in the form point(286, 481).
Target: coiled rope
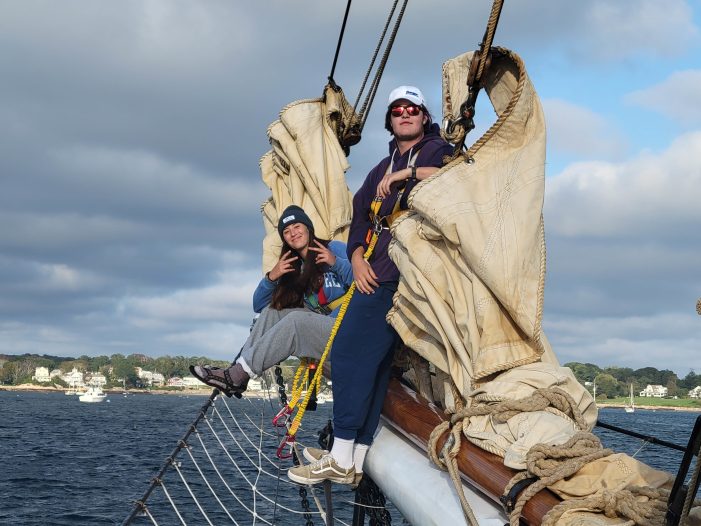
point(550, 464)
point(553, 399)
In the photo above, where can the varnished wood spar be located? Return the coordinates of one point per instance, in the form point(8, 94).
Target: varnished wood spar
point(415, 418)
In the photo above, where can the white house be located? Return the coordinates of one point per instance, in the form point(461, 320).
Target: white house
point(97, 379)
point(150, 378)
point(41, 374)
point(74, 378)
point(656, 391)
point(192, 383)
point(695, 392)
point(175, 381)
point(255, 384)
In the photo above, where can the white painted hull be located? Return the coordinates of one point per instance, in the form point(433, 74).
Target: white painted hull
point(415, 486)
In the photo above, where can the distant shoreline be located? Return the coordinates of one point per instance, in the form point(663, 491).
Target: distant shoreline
point(118, 391)
point(651, 407)
point(42, 389)
point(263, 394)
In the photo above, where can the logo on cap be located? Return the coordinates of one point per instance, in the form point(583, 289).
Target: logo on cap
point(288, 219)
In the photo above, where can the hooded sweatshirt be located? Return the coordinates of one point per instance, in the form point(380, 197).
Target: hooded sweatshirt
point(432, 148)
point(337, 280)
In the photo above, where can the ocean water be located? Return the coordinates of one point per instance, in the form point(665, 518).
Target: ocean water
point(71, 463)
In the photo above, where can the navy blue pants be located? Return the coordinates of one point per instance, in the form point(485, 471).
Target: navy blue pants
point(361, 359)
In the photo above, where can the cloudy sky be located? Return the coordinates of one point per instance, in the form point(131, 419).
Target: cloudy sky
point(132, 129)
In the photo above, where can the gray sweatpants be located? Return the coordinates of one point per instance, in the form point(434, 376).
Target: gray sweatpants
point(279, 334)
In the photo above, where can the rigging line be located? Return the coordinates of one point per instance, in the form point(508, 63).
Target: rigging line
point(642, 446)
point(374, 56)
point(189, 490)
point(243, 450)
point(277, 482)
point(340, 39)
point(148, 514)
point(312, 488)
point(380, 70)
point(255, 487)
point(206, 481)
point(255, 426)
point(647, 438)
point(175, 508)
point(142, 501)
point(489, 36)
point(226, 451)
point(221, 477)
point(251, 486)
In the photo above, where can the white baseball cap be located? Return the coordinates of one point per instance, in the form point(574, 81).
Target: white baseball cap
point(410, 93)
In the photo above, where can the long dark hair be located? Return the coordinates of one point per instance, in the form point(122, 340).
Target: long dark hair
point(307, 277)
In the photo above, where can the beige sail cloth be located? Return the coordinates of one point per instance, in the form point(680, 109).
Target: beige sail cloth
point(471, 252)
point(306, 167)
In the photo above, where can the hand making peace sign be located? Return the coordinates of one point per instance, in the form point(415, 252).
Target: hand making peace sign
point(323, 254)
point(282, 267)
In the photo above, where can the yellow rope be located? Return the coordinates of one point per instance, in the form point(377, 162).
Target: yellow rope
point(316, 380)
point(298, 383)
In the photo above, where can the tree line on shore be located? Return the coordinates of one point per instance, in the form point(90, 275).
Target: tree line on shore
point(613, 382)
point(19, 369)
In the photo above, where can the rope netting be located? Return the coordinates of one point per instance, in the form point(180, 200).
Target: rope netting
point(225, 471)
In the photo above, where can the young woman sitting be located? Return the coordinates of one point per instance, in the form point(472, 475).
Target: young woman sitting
point(297, 299)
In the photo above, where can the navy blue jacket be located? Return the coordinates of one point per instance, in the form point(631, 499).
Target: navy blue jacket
point(432, 150)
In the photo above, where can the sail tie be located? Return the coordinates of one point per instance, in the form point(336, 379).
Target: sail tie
point(541, 399)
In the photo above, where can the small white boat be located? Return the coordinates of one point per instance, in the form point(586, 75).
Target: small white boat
point(630, 407)
point(93, 394)
point(72, 390)
point(323, 397)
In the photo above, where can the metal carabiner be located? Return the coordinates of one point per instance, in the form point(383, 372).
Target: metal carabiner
point(280, 419)
point(377, 224)
point(288, 440)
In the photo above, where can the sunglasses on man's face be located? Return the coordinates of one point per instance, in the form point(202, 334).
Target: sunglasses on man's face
point(411, 110)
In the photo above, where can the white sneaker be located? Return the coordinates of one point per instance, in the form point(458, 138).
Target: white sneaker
point(323, 469)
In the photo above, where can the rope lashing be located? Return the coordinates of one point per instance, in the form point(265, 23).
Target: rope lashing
point(626, 503)
point(539, 400)
point(456, 131)
point(553, 463)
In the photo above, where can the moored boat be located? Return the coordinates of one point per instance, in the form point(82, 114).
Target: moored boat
point(93, 394)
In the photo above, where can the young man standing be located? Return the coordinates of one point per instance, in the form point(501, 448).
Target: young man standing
point(364, 346)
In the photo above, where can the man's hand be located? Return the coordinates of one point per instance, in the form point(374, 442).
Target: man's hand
point(282, 267)
point(385, 185)
point(323, 254)
point(365, 278)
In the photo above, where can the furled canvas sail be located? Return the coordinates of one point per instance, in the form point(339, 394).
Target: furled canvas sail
point(471, 252)
point(306, 166)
